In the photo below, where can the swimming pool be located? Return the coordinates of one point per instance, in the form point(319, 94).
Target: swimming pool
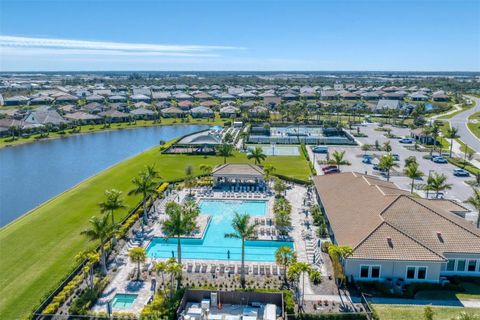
point(214, 245)
point(123, 300)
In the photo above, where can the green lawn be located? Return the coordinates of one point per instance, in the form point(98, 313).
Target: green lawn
point(475, 127)
point(451, 115)
point(397, 312)
point(472, 292)
point(38, 249)
point(7, 142)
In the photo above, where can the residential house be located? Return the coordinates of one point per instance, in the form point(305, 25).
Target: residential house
point(143, 113)
point(440, 96)
point(173, 112)
point(202, 112)
point(43, 116)
point(395, 237)
point(385, 104)
point(15, 101)
point(229, 112)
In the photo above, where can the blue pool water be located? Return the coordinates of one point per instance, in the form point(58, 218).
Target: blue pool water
point(214, 245)
point(123, 300)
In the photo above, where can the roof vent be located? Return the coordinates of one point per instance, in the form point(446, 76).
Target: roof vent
point(389, 241)
point(439, 235)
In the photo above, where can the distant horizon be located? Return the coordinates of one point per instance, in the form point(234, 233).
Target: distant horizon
point(241, 35)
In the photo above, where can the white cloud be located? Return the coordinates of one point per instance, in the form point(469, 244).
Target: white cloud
point(30, 45)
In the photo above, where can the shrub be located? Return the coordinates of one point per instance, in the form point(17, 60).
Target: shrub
point(325, 245)
point(333, 316)
point(315, 276)
point(82, 303)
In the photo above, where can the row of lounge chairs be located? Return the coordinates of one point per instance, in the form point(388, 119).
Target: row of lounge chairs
point(264, 221)
point(231, 269)
point(249, 195)
point(268, 231)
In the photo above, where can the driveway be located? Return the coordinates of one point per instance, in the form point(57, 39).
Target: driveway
point(460, 121)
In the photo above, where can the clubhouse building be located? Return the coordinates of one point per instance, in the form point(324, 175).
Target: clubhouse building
point(396, 236)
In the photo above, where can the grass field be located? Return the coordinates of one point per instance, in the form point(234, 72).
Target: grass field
point(475, 127)
point(38, 249)
point(397, 312)
point(7, 142)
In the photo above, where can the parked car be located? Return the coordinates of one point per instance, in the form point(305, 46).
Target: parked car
point(331, 170)
point(396, 157)
point(320, 149)
point(439, 159)
point(461, 173)
point(329, 167)
point(406, 140)
point(378, 168)
point(367, 159)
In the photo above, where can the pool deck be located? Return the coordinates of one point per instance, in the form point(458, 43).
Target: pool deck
point(199, 270)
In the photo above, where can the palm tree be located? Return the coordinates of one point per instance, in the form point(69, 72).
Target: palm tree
point(182, 221)
point(90, 257)
point(243, 136)
point(137, 255)
point(206, 169)
point(338, 159)
point(284, 257)
point(100, 230)
point(146, 186)
point(387, 162)
point(225, 150)
point(243, 230)
point(189, 179)
point(474, 200)
point(257, 154)
point(452, 133)
point(269, 170)
point(174, 268)
point(413, 172)
point(150, 170)
point(337, 255)
point(437, 182)
point(112, 203)
point(161, 268)
point(301, 268)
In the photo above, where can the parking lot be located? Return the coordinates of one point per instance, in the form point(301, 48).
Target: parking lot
point(460, 190)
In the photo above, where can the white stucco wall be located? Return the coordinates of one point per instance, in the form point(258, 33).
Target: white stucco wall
point(392, 269)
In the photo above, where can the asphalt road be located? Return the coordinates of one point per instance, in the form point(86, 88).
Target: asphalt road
point(460, 121)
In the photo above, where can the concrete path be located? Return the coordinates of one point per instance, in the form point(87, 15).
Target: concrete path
point(460, 121)
point(456, 108)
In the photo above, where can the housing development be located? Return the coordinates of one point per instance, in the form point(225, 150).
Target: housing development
point(240, 196)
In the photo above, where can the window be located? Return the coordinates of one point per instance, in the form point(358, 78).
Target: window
point(375, 272)
point(461, 265)
point(422, 273)
point(451, 265)
point(364, 272)
point(472, 265)
point(411, 273)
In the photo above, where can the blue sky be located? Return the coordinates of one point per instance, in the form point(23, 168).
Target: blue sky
point(423, 35)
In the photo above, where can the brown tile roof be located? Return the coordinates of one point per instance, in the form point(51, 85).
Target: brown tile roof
point(365, 211)
point(388, 243)
point(237, 169)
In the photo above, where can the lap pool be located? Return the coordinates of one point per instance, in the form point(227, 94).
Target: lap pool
point(214, 245)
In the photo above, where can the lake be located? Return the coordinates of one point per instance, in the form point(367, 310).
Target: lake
point(31, 174)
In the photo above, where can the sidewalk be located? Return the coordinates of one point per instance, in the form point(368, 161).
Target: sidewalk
point(415, 302)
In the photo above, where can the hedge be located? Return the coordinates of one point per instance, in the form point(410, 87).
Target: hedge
point(333, 316)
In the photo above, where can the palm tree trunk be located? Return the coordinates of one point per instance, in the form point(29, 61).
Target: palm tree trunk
point(138, 270)
point(478, 220)
point(388, 175)
point(242, 274)
point(90, 275)
point(285, 273)
point(451, 147)
point(411, 189)
point(144, 216)
point(179, 250)
point(303, 288)
point(103, 260)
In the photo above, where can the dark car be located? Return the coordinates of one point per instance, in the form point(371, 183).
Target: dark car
point(331, 170)
point(329, 167)
point(320, 149)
